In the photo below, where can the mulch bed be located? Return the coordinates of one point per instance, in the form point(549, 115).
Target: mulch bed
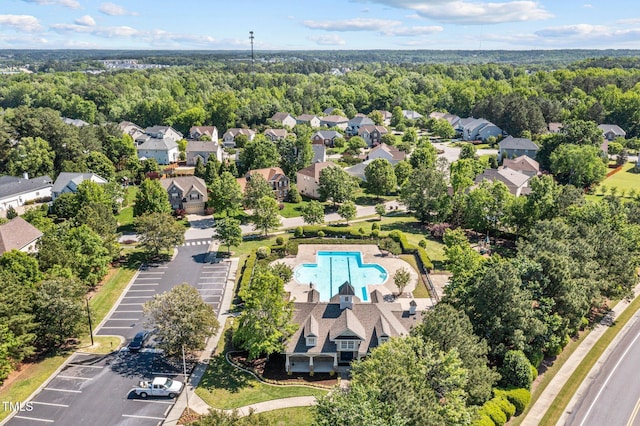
point(188, 416)
point(273, 369)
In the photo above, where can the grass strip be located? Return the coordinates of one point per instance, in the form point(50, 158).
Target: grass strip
point(569, 389)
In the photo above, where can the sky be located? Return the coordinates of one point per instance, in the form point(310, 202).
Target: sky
point(326, 24)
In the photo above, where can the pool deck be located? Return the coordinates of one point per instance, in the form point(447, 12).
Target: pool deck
point(370, 254)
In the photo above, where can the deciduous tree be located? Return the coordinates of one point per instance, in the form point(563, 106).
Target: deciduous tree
point(158, 231)
point(347, 211)
point(228, 232)
point(336, 185)
point(380, 177)
point(266, 215)
point(151, 198)
point(312, 212)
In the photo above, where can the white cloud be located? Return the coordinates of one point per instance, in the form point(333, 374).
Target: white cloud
point(107, 32)
point(113, 9)
point(86, 20)
point(578, 30)
point(587, 6)
point(355, 24)
point(473, 12)
point(630, 21)
point(25, 23)
point(413, 16)
point(73, 4)
point(328, 40)
point(411, 31)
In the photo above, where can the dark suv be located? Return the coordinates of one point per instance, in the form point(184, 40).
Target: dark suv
point(139, 340)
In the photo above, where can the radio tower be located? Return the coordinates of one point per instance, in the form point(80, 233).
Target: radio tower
point(252, 58)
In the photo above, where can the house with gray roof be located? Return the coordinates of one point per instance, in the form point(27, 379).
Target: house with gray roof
point(511, 147)
point(410, 114)
point(74, 122)
point(203, 150)
point(356, 122)
point(450, 118)
point(131, 129)
point(332, 334)
point(69, 182)
point(186, 192)
point(390, 153)
point(208, 132)
point(18, 234)
point(310, 119)
point(164, 151)
point(523, 164)
point(229, 137)
point(319, 153)
point(336, 121)
point(275, 135)
point(612, 131)
point(162, 132)
point(326, 137)
point(372, 134)
point(478, 129)
point(16, 191)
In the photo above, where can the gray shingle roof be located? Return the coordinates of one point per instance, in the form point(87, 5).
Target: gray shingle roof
point(517, 143)
point(156, 144)
point(11, 185)
point(64, 178)
point(16, 234)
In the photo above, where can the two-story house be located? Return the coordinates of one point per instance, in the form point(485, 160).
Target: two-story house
point(326, 137)
point(372, 134)
point(203, 150)
point(308, 179)
point(275, 135)
point(229, 137)
point(69, 182)
point(285, 119)
point(511, 147)
point(390, 153)
point(612, 131)
point(186, 192)
point(199, 133)
point(310, 119)
point(337, 121)
point(478, 129)
point(274, 177)
point(164, 151)
point(356, 123)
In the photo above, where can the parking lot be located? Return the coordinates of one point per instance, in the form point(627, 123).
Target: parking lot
point(94, 389)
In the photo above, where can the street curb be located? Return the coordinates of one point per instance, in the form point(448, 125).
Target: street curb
point(68, 360)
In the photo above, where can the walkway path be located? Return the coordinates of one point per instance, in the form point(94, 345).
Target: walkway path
point(547, 398)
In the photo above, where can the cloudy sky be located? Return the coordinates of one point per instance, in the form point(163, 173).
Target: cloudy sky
point(326, 24)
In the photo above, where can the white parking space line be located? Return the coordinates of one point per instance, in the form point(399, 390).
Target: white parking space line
point(33, 418)
point(117, 328)
point(123, 319)
point(153, 402)
point(50, 403)
point(211, 290)
point(131, 304)
point(163, 373)
point(150, 272)
point(73, 377)
point(136, 297)
point(62, 390)
point(132, 291)
point(126, 312)
point(140, 284)
point(88, 366)
point(143, 417)
point(146, 278)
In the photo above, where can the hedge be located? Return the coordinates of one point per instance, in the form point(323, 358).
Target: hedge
point(408, 248)
point(494, 411)
point(484, 420)
point(247, 270)
point(519, 397)
point(292, 245)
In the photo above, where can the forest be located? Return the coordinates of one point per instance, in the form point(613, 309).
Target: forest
point(563, 255)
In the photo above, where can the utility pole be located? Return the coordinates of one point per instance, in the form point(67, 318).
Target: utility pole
point(253, 77)
point(89, 317)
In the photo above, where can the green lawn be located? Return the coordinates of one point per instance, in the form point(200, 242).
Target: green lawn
point(625, 180)
point(292, 209)
point(226, 387)
point(421, 289)
point(296, 416)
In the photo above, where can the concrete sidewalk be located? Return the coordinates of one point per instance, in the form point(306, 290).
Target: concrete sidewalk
point(276, 404)
point(547, 398)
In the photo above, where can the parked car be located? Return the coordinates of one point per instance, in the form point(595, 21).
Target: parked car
point(139, 340)
point(159, 386)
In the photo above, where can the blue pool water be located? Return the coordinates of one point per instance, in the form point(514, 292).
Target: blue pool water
point(336, 267)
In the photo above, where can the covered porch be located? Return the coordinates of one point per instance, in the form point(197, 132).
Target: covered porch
point(311, 363)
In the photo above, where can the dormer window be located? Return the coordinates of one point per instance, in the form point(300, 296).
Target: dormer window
point(311, 341)
point(383, 339)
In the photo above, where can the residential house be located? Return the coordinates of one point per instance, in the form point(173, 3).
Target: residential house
point(336, 121)
point(163, 132)
point(18, 234)
point(131, 129)
point(523, 164)
point(308, 179)
point(478, 129)
point(612, 131)
point(411, 115)
point(554, 127)
point(516, 182)
point(328, 111)
point(390, 153)
point(386, 116)
point(357, 170)
point(229, 137)
point(285, 119)
point(511, 147)
point(319, 153)
point(310, 119)
point(332, 334)
point(451, 118)
point(16, 191)
point(274, 177)
point(209, 132)
point(326, 137)
point(186, 192)
point(74, 122)
point(69, 182)
point(163, 150)
point(275, 134)
point(203, 150)
point(356, 122)
point(372, 134)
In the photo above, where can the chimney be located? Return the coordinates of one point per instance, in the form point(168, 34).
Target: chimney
point(25, 175)
point(412, 307)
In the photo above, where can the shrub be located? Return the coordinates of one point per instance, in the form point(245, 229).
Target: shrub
point(279, 241)
point(483, 420)
point(437, 230)
point(519, 397)
point(375, 226)
point(516, 370)
point(281, 206)
point(292, 247)
point(298, 232)
point(247, 270)
point(263, 252)
point(11, 213)
point(208, 211)
point(422, 244)
point(493, 410)
point(536, 358)
point(321, 234)
point(505, 405)
point(375, 233)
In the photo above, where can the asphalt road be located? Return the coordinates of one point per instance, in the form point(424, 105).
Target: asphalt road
point(94, 389)
point(613, 396)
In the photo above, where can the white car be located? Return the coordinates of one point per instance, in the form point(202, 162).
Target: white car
point(159, 386)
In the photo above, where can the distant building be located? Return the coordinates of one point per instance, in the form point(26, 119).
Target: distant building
point(164, 151)
point(308, 179)
point(390, 153)
point(516, 182)
point(274, 176)
point(336, 121)
point(203, 150)
point(275, 135)
point(310, 119)
point(197, 132)
point(319, 153)
point(326, 137)
point(523, 164)
point(372, 134)
point(229, 137)
point(450, 118)
point(186, 192)
point(478, 129)
point(386, 116)
point(356, 123)
point(612, 131)
point(554, 127)
point(74, 122)
point(163, 132)
point(131, 129)
point(285, 119)
point(411, 115)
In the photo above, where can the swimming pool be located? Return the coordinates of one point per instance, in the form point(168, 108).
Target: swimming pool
point(336, 267)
